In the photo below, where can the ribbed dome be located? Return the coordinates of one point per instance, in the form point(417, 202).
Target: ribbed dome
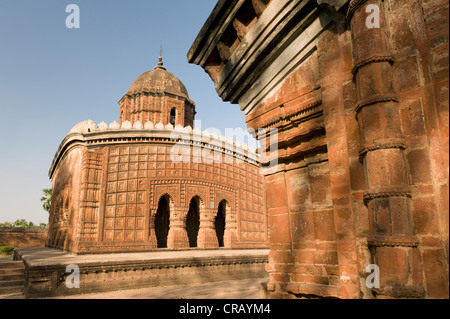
point(158, 80)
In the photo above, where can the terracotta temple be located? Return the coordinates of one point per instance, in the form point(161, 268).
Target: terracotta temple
point(153, 181)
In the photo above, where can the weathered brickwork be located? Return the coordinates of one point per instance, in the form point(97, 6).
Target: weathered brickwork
point(361, 113)
point(23, 237)
point(140, 187)
point(157, 96)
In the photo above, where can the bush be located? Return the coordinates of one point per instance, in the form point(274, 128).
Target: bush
point(22, 223)
point(6, 249)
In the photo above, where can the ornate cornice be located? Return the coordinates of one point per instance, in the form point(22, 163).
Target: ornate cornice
point(90, 134)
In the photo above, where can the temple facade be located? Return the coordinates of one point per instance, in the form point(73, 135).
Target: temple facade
point(357, 93)
point(152, 181)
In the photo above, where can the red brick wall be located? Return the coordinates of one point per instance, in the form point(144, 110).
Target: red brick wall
point(23, 237)
point(362, 163)
point(149, 107)
point(419, 41)
point(66, 186)
point(370, 103)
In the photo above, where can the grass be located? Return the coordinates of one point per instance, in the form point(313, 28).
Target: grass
point(6, 252)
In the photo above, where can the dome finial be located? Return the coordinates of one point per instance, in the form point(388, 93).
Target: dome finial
point(160, 62)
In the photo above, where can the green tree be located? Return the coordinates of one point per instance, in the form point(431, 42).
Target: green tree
point(23, 223)
point(47, 199)
point(20, 223)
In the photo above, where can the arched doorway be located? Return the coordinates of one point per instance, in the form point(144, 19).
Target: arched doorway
point(173, 114)
point(193, 221)
point(219, 222)
point(162, 222)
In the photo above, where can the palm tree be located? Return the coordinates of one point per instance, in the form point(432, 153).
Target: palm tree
point(47, 199)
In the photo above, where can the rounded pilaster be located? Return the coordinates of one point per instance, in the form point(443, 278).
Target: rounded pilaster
point(387, 196)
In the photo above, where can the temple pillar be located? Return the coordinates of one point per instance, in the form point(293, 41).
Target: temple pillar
point(281, 256)
point(391, 238)
point(177, 237)
point(230, 234)
point(151, 229)
point(207, 237)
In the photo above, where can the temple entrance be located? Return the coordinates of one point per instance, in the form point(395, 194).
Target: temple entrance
point(162, 222)
point(193, 221)
point(219, 222)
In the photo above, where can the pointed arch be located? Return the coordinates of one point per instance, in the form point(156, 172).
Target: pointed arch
point(220, 222)
point(193, 220)
point(162, 220)
point(173, 116)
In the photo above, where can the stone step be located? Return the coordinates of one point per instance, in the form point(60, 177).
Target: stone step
point(12, 277)
point(11, 290)
point(12, 283)
point(9, 277)
point(12, 264)
point(7, 271)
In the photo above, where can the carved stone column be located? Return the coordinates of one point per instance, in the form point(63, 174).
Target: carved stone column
point(230, 234)
point(177, 237)
point(151, 229)
point(207, 237)
point(391, 239)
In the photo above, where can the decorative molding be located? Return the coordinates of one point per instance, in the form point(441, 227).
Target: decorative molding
point(394, 192)
point(369, 196)
point(186, 182)
point(160, 264)
point(376, 99)
point(382, 144)
point(90, 134)
point(190, 181)
point(392, 241)
point(290, 116)
point(375, 59)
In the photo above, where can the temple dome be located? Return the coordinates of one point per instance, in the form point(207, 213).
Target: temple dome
point(158, 80)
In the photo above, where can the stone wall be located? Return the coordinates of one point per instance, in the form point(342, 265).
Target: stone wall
point(23, 237)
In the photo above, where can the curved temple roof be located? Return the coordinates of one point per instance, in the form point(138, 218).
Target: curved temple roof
point(158, 80)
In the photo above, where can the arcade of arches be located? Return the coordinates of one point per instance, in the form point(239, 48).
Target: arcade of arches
point(193, 223)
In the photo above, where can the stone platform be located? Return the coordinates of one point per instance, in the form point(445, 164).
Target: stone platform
point(46, 269)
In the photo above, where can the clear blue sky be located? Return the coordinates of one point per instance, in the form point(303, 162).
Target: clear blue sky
point(52, 77)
